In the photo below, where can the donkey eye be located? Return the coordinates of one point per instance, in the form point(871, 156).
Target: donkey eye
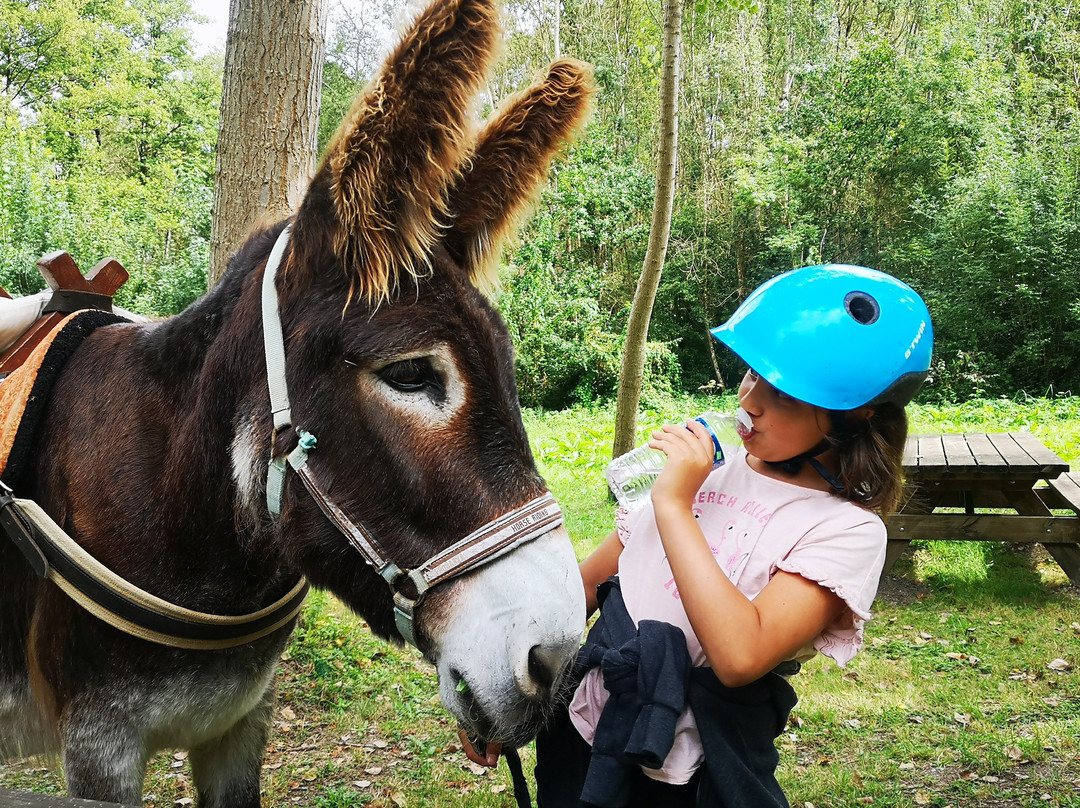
point(412, 375)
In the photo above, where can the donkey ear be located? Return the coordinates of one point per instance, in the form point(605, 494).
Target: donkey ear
point(510, 164)
point(386, 171)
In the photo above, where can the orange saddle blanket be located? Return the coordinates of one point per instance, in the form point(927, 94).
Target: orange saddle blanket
point(25, 392)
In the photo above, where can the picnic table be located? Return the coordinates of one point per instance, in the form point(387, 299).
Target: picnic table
point(998, 486)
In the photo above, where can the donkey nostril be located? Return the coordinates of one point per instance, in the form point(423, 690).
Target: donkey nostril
point(545, 664)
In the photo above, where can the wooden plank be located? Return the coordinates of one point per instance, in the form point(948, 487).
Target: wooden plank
point(911, 451)
point(931, 454)
point(1046, 460)
point(1067, 486)
point(27, 799)
point(958, 456)
point(60, 272)
point(1015, 456)
point(1068, 558)
point(985, 527)
point(987, 458)
point(107, 276)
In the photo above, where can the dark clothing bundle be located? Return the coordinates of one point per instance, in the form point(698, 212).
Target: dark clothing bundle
point(648, 673)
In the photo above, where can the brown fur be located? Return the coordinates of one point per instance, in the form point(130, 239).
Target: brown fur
point(506, 176)
point(154, 449)
point(391, 232)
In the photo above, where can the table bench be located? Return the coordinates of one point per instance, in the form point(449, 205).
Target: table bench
point(971, 473)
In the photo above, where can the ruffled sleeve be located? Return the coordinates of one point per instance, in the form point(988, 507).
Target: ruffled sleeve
point(626, 521)
point(844, 553)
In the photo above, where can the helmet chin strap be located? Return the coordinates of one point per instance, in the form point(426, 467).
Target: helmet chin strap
point(793, 465)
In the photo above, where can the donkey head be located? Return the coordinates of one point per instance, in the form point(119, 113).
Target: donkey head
point(404, 371)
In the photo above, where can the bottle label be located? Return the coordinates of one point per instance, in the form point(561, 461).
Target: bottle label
point(718, 457)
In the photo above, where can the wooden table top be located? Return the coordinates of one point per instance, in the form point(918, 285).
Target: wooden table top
point(1012, 455)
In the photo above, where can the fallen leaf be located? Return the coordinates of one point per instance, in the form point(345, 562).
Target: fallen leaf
point(499, 789)
point(180, 803)
point(288, 714)
point(922, 798)
point(373, 770)
point(362, 783)
point(398, 798)
point(906, 766)
point(990, 779)
point(1052, 701)
point(1013, 752)
point(476, 769)
point(962, 718)
point(1059, 665)
point(1016, 640)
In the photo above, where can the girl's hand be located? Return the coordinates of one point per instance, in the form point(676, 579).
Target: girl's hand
point(690, 456)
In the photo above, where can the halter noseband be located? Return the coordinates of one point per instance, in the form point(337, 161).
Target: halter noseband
point(496, 538)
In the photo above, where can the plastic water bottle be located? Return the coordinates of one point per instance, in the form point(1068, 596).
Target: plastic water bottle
point(631, 476)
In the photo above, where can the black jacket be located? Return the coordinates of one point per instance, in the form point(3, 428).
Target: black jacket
point(648, 672)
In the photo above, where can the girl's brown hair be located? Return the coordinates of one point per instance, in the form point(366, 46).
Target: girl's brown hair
point(871, 459)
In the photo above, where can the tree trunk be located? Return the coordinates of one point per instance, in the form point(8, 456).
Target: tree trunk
point(267, 139)
point(637, 330)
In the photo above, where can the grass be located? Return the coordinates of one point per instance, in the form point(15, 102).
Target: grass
point(960, 697)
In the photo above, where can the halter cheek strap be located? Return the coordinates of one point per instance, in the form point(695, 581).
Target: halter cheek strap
point(498, 537)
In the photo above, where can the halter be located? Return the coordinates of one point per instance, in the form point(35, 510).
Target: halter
point(498, 537)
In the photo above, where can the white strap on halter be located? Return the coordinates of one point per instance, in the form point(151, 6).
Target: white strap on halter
point(496, 538)
point(274, 348)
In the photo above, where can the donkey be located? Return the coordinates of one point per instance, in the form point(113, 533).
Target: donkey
point(154, 449)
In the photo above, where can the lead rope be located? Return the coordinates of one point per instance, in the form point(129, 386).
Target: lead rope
point(517, 776)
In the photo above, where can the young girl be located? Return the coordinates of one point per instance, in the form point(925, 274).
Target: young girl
point(735, 575)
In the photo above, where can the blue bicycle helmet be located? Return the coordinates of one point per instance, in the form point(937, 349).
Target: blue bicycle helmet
point(836, 336)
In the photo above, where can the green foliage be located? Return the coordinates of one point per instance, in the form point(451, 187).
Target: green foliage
point(106, 145)
point(567, 288)
point(936, 141)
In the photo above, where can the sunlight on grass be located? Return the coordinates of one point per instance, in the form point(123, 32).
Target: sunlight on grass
point(952, 561)
point(959, 697)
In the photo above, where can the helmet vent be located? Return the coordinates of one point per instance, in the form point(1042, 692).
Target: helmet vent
point(862, 307)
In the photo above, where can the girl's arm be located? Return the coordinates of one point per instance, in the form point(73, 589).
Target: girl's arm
point(601, 564)
point(743, 639)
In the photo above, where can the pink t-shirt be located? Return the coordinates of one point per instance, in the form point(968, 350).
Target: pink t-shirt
point(755, 525)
